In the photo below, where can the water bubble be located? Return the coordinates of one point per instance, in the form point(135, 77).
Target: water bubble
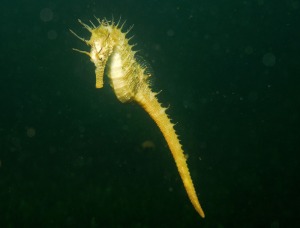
point(295, 4)
point(30, 132)
point(253, 96)
point(269, 59)
point(170, 32)
point(52, 35)
point(249, 50)
point(46, 14)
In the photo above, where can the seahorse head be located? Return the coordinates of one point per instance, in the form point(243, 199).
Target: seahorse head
point(101, 44)
point(101, 48)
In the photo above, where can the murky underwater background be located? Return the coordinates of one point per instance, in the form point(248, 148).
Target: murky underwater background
point(74, 156)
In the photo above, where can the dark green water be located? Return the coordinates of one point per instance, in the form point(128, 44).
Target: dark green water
point(72, 156)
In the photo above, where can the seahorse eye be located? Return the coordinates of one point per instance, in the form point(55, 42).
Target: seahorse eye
point(101, 57)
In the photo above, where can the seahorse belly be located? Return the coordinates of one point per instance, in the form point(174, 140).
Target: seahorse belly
point(118, 81)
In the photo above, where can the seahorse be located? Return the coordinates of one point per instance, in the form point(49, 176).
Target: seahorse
point(129, 79)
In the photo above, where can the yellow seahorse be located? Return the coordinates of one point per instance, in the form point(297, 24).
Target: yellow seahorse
point(129, 80)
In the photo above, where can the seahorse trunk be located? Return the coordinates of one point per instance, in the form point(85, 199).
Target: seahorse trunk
point(149, 102)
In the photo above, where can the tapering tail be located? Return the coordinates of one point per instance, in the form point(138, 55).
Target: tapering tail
point(149, 102)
